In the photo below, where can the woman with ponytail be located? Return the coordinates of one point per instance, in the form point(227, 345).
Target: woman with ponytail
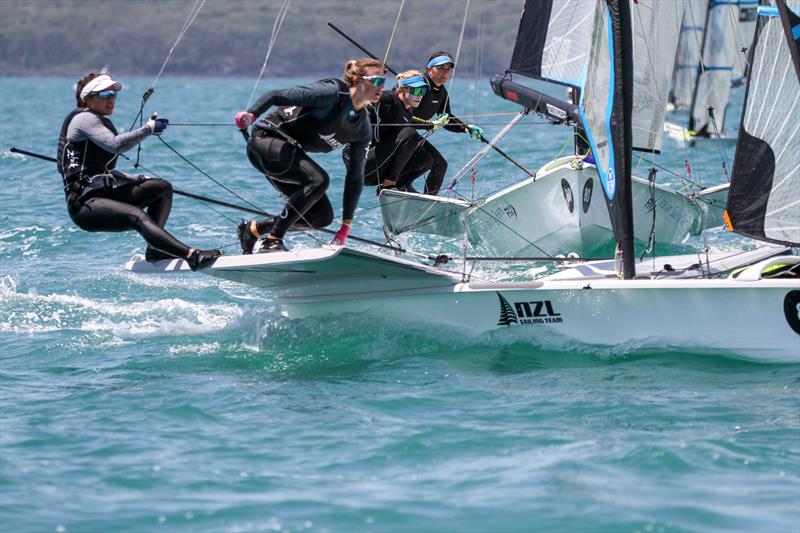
point(316, 118)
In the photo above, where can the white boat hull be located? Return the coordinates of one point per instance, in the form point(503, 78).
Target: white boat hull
point(560, 211)
point(747, 316)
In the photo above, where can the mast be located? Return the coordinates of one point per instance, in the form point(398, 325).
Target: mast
point(623, 62)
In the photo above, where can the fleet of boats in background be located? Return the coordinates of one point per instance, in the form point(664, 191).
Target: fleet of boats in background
point(624, 63)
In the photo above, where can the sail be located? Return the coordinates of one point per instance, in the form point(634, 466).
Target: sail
point(605, 109)
point(714, 81)
point(764, 197)
point(687, 59)
point(553, 40)
point(656, 27)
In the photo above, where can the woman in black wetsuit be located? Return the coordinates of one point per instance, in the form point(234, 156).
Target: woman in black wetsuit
point(320, 117)
point(397, 157)
point(100, 198)
point(437, 102)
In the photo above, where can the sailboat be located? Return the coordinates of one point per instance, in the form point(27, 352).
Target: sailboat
point(556, 211)
point(745, 303)
point(707, 62)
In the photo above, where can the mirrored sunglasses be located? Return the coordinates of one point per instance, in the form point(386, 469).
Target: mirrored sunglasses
point(417, 91)
point(105, 95)
point(374, 80)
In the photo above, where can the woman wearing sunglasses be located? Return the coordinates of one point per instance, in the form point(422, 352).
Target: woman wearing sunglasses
point(100, 198)
point(319, 117)
point(396, 158)
point(437, 102)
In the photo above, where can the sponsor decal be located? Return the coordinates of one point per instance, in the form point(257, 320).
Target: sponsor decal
point(556, 112)
point(567, 190)
point(528, 312)
point(332, 142)
point(791, 308)
point(511, 95)
point(611, 183)
point(586, 197)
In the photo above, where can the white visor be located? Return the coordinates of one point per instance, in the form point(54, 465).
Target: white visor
point(100, 83)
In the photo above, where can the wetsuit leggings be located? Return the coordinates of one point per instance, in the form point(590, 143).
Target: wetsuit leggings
point(122, 209)
point(438, 167)
point(400, 159)
point(296, 176)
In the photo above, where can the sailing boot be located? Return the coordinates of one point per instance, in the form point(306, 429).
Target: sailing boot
point(202, 258)
point(246, 238)
point(270, 245)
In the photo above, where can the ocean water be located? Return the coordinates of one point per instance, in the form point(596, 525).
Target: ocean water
point(185, 403)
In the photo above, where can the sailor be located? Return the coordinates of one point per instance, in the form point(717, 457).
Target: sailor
point(101, 198)
point(319, 117)
point(396, 157)
point(436, 102)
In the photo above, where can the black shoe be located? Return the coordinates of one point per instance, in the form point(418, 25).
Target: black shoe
point(272, 245)
point(246, 238)
point(152, 254)
point(202, 258)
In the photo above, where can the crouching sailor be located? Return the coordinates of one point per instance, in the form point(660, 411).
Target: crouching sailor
point(100, 198)
point(320, 117)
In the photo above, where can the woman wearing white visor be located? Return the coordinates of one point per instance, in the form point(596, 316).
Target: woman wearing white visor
point(100, 198)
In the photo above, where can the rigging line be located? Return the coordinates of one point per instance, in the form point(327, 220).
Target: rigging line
point(394, 30)
point(206, 124)
point(458, 52)
point(198, 5)
point(276, 28)
point(201, 171)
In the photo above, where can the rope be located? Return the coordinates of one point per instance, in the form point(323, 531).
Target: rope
point(458, 51)
point(391, 37)
point(198, 5)
point(276, 28)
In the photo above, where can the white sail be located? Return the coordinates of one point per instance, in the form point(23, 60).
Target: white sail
point(764, 201)
point(714, 83)
point(656, 26)
point(687, 60)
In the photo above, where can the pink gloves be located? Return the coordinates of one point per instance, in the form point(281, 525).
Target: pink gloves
point(341, 236)
point(244, 119)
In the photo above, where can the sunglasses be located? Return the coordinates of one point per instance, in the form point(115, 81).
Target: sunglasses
point(105, 95)
point(374, 80)
point(417, 91)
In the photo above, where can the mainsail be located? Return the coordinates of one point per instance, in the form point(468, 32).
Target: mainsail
point(764, 197)
point(656, 27)
point(713, 87)
point(605, 108)
point(687, 60)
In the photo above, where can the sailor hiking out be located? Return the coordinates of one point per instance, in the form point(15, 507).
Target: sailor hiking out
point(321, 117)
point(101, 198)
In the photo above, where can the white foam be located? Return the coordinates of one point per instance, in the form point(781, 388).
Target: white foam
point(29, 312)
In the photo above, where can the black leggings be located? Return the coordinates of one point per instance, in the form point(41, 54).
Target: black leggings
point(295, 175)
point(438, 167)
point(400, 159)
point(121, 209)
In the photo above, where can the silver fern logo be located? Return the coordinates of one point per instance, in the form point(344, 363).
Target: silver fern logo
point(528, 312)
point(507, 314)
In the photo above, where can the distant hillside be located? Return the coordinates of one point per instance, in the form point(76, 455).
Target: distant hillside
point(71, 37)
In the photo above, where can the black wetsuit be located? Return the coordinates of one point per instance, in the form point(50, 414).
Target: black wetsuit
point(100, 198)
point(396, 153)
point(320, 118)
point(436, 102)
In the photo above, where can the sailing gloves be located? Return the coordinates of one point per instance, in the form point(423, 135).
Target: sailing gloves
point(157, 125)
point(244, 119)
point(340, 238)
point(474, 132)
point(440, 122)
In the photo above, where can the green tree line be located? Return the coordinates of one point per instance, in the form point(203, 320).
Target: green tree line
point(230, 37)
